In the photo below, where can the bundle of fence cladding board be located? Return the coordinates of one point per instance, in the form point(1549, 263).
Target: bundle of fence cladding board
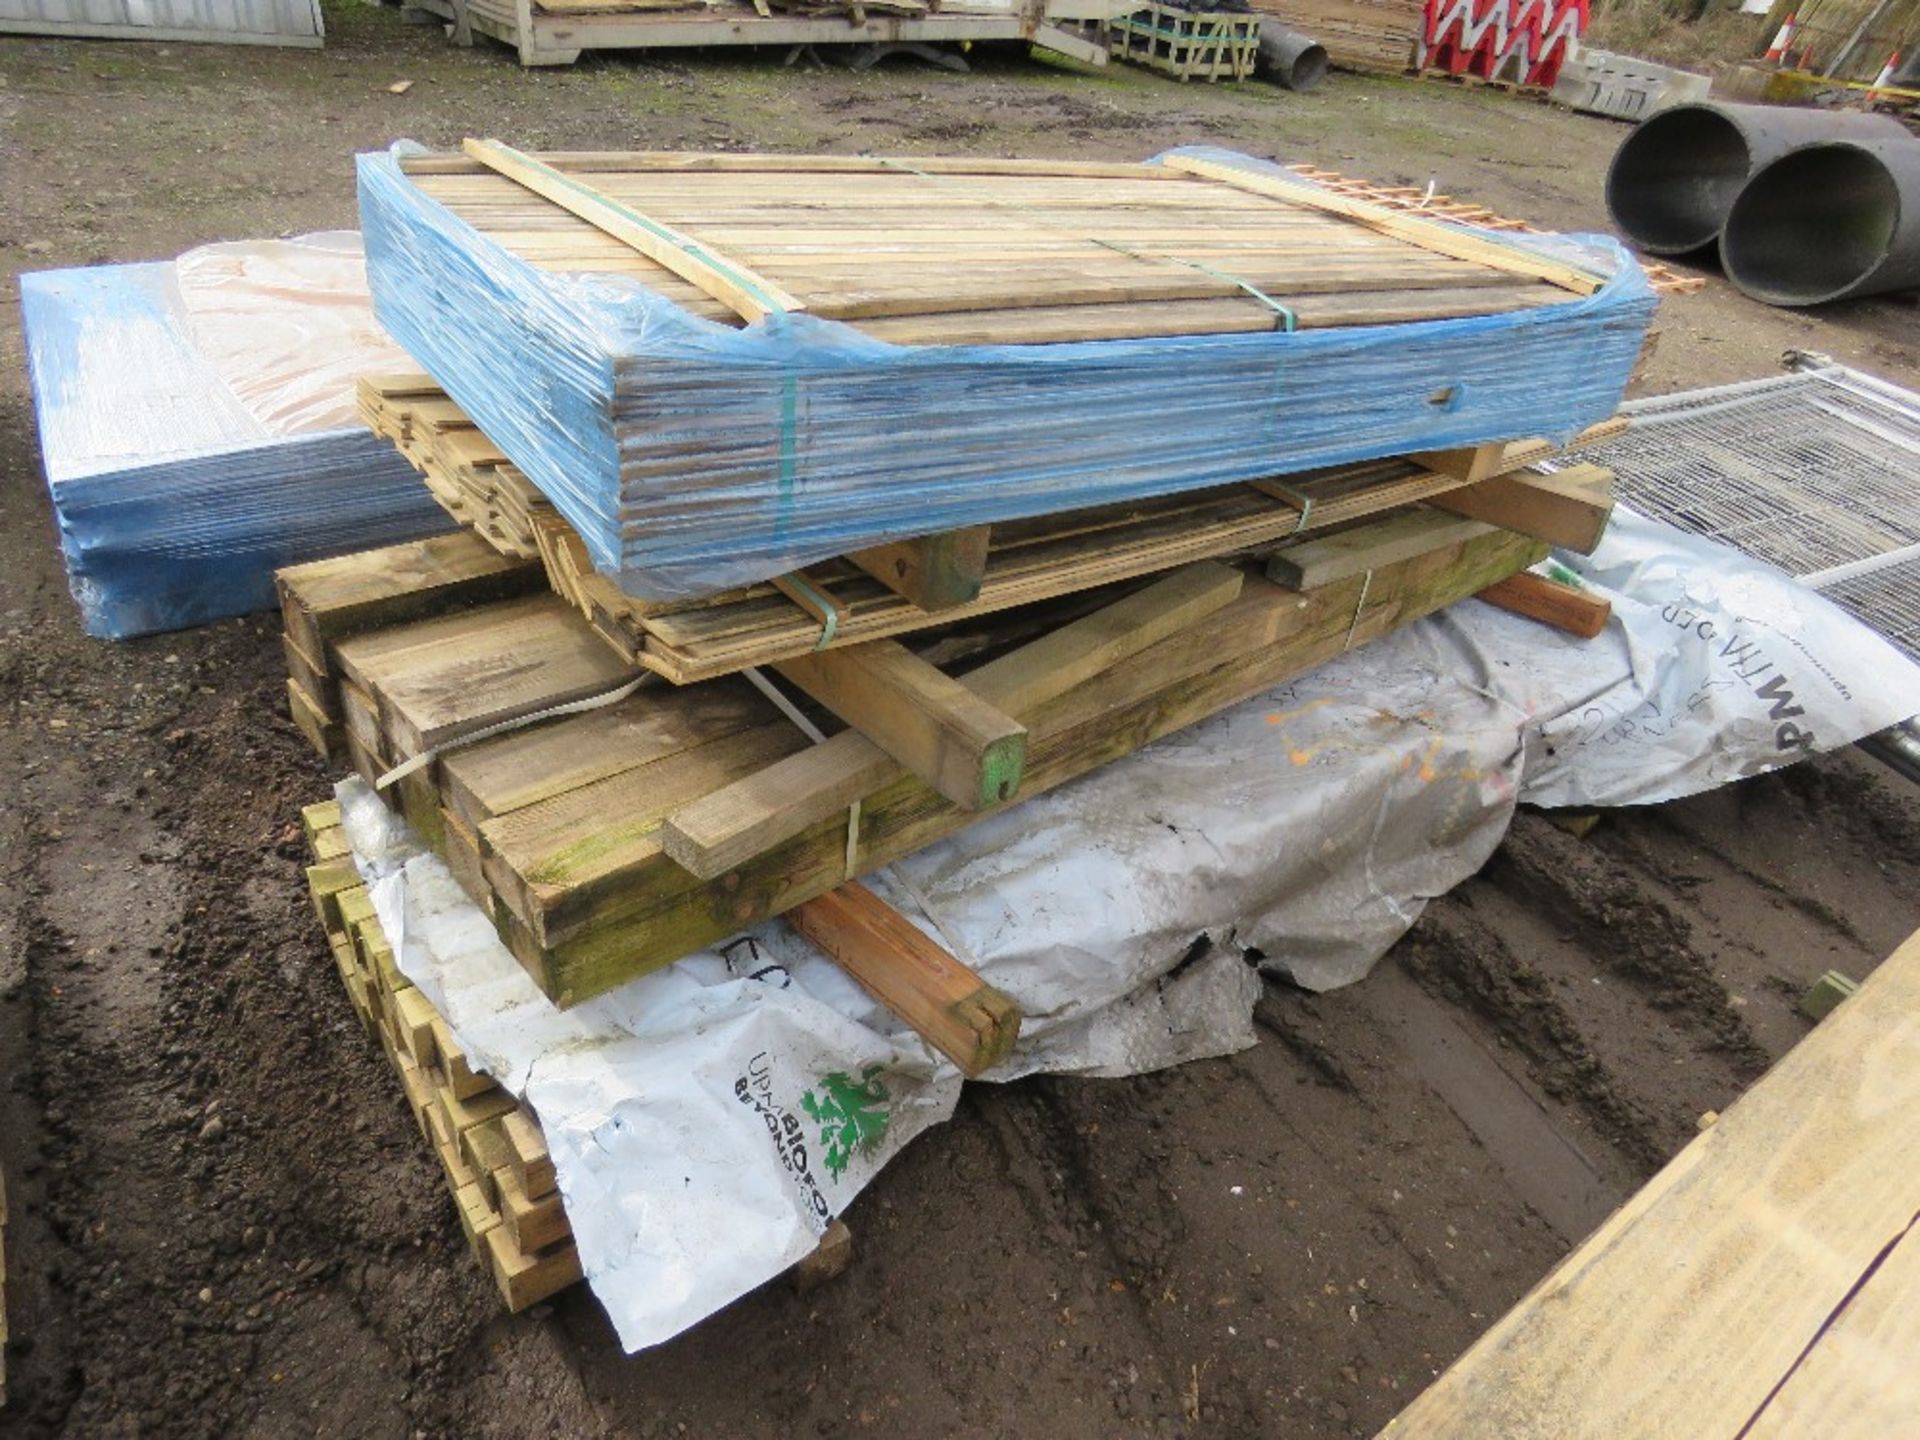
point(901, 588)
point(610, 841)
point(718, 369)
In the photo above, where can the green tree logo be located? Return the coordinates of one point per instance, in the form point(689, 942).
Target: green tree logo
point(850, 1112)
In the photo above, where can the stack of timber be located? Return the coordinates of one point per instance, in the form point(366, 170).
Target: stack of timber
point(1423, 200)
point(730, 417)
point(897, 589)
point(609, 841)
point(502, 1178)
point(489, 1145)
point(1366, 35)
point(1188, 44)
point(556, 32)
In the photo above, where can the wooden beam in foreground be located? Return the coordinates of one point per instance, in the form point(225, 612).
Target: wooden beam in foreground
point(1568, 508)
point(1346, 553)
point(1764, 1285)
point(958, 1013)
point(741, 820)
point(935, 572)
point(958, 743)
point(1552, 602)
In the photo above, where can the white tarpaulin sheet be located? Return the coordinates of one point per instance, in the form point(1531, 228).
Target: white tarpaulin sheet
point(707, 1121)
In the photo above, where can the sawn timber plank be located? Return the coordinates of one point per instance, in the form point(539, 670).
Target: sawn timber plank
point(656, 911)
point(730, 825)
point(1762, 1284)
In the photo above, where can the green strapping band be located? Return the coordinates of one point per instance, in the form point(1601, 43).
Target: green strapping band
point(789, 447)
point(1293, 497)
point(829, 616)
point(1288, 320)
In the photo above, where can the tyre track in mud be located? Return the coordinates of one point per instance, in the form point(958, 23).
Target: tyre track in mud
point(1651, 972)
point(207, 1180)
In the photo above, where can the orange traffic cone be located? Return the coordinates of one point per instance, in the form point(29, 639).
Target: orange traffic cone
point(1886, 75)
point(1777, 51)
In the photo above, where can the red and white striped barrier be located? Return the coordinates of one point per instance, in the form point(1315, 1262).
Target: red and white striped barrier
point(1523, 41)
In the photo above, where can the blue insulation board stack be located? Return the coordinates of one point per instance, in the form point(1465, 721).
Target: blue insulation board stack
point(693, 456)
point(174, 504)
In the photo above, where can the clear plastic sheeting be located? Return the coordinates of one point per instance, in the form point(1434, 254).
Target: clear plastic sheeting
point(708, 1120)
point(289, 326)
point(693, 456)
point(197, 428)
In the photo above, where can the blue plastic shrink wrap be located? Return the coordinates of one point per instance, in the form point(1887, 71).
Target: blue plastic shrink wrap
point(197, 427)
point(693, 456)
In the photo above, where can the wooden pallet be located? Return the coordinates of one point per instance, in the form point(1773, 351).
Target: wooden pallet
point(1187, 44)
point(1025, 561)
point(559, 31)
point(565, 829)
point(1482, 82)
point(489, 1145)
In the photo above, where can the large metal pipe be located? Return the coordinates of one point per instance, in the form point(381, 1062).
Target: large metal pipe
point(1297, 61)
point(1674, 179)
point(1898, 748)
point(1828, 222)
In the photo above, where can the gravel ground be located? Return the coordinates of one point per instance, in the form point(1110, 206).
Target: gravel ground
point(224, 1222)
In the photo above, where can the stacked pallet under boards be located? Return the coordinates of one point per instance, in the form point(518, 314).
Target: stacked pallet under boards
point(578, 834)
point(488, 1144)
point(1024, 561)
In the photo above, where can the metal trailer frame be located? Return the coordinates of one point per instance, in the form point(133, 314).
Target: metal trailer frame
point(541, 38)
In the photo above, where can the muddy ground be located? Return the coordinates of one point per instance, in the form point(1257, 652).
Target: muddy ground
point(223, 1220)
